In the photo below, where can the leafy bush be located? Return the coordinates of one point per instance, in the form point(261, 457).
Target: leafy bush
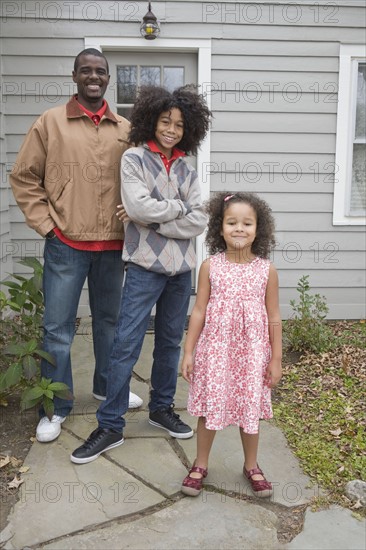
point(20, 339)
point(307, 329)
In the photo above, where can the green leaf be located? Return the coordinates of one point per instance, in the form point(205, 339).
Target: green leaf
point(19, 278)
point(46, 356)
point(38, 281)
point(10, 284)
point(29, 404)
point(13, 375)
point(31, 262)
point(64, 394)
point(48, 406)
point(13, 349)
point(21, 299)
point(14, 306)
point(58, 386)
point(48, 393)
point(2, 382)
point(31, 346)
point(30, 367)
point(32, 393)
point(45, 382)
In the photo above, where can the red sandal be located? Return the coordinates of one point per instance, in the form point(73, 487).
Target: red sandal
point(192, 486)
point(260, 487)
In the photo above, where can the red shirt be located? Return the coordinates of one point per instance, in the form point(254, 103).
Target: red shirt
point(176, 153)
point(92, 246)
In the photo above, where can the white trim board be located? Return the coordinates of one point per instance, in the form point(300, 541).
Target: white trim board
point(347, 55)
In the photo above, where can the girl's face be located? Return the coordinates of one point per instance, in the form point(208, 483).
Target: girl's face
point(169, 130)
point(239, 227)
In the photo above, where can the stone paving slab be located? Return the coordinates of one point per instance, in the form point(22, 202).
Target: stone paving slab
point(207, 522)
point(154, 461)
point(333, 529)
point(59, 497)
point(291, 486)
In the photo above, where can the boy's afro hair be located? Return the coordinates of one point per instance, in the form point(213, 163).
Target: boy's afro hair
point(153, 100)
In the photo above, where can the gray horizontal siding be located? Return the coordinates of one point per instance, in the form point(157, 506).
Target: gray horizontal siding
point(272, 142)
point(241, 61)
point(269, 179)
point(302, 162)
point(294, 123)
point(292, 83)
point(275, 48)
point(274, 98)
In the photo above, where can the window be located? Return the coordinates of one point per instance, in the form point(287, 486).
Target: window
point(130, 77)
point(350, 177)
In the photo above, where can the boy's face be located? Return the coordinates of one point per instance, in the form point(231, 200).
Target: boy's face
point(169, 130)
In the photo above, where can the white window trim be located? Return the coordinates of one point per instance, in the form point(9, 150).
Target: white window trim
point(203, 49)
point(349, 53)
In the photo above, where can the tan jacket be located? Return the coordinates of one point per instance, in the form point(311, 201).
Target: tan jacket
point(67, 173)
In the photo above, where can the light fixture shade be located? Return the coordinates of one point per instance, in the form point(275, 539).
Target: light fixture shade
point(149, 28)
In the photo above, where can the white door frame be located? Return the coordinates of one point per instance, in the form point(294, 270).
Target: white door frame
point(203, 49)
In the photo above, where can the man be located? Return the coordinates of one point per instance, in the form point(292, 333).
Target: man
point(66, 181)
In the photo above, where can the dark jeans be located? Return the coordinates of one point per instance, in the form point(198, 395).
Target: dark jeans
point(142, 290)
point(65, 271)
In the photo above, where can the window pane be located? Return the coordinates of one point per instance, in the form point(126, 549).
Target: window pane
point(126, 84)
point(361, 101)
point(173, 77)
point(125, 111)
point(150, 76)
point(358, 188)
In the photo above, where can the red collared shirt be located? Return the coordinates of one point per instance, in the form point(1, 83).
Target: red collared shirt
point(176, 153)
point(92, 246)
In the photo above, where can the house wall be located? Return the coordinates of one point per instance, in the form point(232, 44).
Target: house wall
point(273, 92)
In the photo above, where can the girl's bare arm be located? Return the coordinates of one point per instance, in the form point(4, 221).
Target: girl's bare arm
point(197, 319)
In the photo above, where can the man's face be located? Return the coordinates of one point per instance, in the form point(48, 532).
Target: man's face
point(91, 78)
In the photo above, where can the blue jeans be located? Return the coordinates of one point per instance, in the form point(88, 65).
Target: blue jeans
point(142, 290)
point(65, 271)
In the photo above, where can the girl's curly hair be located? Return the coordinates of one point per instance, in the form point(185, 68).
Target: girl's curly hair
point(264, 241)
point(154, 100)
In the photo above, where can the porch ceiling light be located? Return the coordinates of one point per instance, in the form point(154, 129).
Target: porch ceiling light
point(149, 28)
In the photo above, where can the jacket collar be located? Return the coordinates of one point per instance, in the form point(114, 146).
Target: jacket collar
point(73, 110)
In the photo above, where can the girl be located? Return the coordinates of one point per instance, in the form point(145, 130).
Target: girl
point(235, 331)
point(162, 212)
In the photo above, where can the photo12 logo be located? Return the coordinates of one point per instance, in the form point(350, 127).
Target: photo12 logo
point(267, 13)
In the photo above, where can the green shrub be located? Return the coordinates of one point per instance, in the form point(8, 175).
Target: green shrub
point(20, 338)
point(307, 329)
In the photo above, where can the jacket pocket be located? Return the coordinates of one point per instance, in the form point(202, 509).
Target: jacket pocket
point(56, 196)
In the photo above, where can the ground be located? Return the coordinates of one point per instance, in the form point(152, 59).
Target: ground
point(16, 433)
point(318, 380)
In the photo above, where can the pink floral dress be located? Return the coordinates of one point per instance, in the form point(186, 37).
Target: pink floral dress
point(233, 350)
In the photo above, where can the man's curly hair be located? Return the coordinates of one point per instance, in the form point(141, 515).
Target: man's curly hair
point(264, 241)
point(154, 100)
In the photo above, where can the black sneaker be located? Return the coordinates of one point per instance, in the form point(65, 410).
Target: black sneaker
point(170, 421)
point(99, 441)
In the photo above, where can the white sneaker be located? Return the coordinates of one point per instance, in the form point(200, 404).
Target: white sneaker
point(48, 430)
point(99, 397)
point(134, 401)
